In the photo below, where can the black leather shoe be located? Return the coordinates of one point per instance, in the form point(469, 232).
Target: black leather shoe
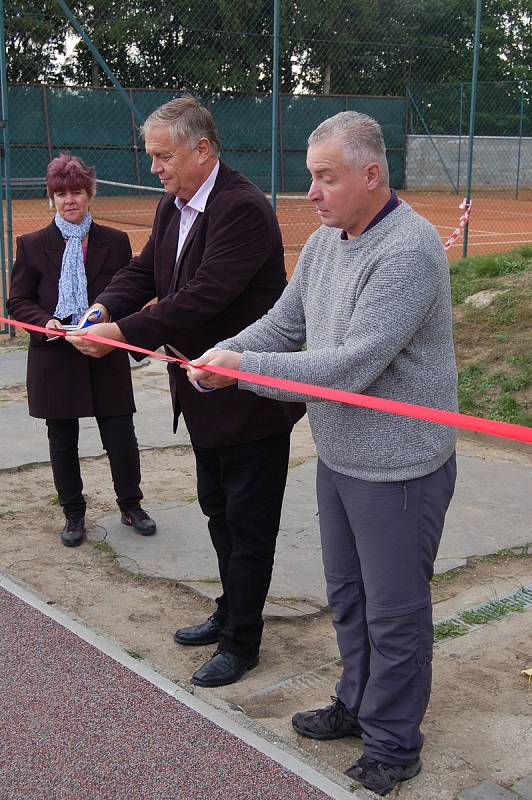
point(332, 722)
point(74, 532)
point(223, 668)
point(137, 518)
point(206, 633)
point(380, 777)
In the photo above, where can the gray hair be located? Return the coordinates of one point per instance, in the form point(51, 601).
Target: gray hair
point(360, 136)
point(187, 120)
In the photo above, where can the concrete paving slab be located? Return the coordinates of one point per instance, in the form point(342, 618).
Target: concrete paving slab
point(24, 439)
point(524, 787)
point(486, 791)
point(182, 550)
point(491, 510)
point(13, 372)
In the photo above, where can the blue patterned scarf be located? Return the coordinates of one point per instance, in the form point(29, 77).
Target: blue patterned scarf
point(72, 299)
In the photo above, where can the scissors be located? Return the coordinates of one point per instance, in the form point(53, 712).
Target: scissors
point(84, 322)
point(199, 386)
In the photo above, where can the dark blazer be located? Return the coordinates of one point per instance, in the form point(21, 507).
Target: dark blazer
point(230, 272)
point(62, 383)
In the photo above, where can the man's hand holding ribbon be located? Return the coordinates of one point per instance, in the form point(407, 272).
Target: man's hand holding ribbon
point(215, 358)
point(105, 329)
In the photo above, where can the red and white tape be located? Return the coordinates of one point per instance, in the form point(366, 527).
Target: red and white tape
point(490, 426)
point(464, 219)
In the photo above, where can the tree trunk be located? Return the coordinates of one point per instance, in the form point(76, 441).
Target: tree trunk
point(95, 72)
point(327, 76)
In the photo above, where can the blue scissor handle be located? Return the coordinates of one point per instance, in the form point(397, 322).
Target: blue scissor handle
point(85, 322)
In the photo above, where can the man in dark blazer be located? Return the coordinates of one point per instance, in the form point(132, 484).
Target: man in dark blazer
point(215, 262)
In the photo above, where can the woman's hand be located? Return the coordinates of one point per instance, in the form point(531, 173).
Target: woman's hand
point(53, 325)
point(108, 330)
point(216, 358)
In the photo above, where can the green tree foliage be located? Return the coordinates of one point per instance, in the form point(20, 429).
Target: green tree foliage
point(35, 39)
point(209, 46)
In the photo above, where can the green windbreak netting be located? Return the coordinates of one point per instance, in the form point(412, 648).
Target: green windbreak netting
point(97, 125)
point(503, 109)
point(301, 114)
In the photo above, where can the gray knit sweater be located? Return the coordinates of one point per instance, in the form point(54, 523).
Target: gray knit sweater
point(375, 313)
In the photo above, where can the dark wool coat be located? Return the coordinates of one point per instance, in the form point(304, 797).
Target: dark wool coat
point(62, 382)
point(229, 273)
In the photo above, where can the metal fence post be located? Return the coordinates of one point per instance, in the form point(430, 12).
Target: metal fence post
point(135, 141)
point(46, 120)
point(521, 115)
point(460, 137)
point(3, 262)
point(95, 52)
point(474, 83)
point(275, 99)
point(6, 172)
point(281, 183)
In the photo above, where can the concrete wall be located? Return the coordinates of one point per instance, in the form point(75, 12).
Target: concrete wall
point(494, 162)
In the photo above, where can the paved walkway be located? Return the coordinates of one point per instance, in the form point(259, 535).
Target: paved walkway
point(80, 718)
point(491, 509)
point(520, 790)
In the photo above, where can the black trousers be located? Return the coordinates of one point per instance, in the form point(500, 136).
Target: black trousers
point(240, 489)
point(118, 439)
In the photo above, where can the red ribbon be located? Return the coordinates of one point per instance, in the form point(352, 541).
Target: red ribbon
point(489, 426)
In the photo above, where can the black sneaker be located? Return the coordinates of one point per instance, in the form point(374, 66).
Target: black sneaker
point(380, 777)
point(137, 518)
point(331, 722)
point(73, 533)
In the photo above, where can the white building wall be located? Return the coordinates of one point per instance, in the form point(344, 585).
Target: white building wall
point(494, 162)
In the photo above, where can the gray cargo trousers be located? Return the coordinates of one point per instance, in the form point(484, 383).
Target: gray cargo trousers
point(379, 543)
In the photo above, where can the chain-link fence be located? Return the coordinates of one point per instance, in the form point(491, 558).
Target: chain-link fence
point(407, 64)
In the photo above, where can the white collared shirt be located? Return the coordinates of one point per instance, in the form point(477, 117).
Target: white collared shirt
point(191, 209)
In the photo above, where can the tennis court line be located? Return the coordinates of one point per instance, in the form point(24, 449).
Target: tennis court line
point(506, 241)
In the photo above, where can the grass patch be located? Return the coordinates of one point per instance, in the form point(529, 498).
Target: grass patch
point(448, 630)
point(495, 609)
point(486, 612)
point(473, 274)
point(447, 577)
point(104, 548)
point(135, 655)
point(493, 343)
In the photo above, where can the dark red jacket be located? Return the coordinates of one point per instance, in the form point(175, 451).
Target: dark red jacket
point(230, 272)
point(62, 383)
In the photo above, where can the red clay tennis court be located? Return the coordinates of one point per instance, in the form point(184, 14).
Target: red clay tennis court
point(499, 222)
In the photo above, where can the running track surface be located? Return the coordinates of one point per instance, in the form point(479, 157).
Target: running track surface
point(74, 723)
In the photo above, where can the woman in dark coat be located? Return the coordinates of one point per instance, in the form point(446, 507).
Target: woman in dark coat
point(58, 272)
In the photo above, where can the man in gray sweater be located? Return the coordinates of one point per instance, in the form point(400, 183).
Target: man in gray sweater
point(370, 297)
